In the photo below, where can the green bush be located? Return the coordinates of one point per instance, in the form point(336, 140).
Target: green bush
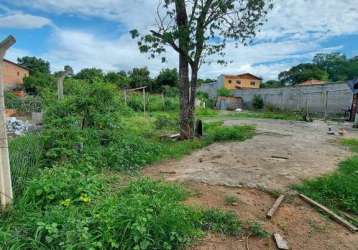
point(224, 92)
point(64, 186)
point(164, 120)
point(12, 101)
point(258, 102)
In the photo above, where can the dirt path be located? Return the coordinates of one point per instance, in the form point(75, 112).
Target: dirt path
point(282, 153)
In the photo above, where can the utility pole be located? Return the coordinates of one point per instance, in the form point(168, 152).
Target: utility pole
point(68, 71)
point(5, 174)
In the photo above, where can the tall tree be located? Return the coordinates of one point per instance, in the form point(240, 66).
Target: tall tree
point(196, 29)
point(166, 77)
point(118, 78)
point(139, 77)
point(90, 75)
point(36, 65)
point(303, 72)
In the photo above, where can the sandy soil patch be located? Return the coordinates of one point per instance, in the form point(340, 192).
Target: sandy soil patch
point(282, 153)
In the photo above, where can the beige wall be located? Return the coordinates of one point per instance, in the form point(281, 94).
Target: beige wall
point(14, 74)
point(241, 82)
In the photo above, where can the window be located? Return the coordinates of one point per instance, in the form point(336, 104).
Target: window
point(230, 81)
point(18, 73)
point(238, 82)
point(253, 83)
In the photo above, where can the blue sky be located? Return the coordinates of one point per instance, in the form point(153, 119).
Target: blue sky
point(94, 33)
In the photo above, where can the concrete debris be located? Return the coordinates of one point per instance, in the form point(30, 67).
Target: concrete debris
point(17, 127)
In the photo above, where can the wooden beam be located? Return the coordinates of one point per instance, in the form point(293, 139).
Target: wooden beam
point(275, 206)
point(330, 213)
point(280, 242)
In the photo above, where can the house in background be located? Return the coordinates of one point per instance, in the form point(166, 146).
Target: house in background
point(13, 75)
point(312, 82)
point(242, 81)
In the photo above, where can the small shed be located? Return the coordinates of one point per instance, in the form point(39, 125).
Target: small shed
point(229, 103)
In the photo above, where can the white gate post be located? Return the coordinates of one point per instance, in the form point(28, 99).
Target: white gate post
point(6, 194)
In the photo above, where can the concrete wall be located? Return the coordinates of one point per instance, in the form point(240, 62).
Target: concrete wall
point(327, 98)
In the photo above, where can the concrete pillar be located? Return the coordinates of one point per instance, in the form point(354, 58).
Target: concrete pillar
point(6, 194)
point(60, 80)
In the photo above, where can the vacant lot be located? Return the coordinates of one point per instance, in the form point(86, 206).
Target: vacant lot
point(282, 153)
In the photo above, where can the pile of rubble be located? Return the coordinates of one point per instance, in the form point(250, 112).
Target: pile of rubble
point(17, 127)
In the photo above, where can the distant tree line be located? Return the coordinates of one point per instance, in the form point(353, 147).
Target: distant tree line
point(332, 67)
point(40, 77)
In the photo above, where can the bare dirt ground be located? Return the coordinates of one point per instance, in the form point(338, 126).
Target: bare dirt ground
point(297, 222)
point(282, 153)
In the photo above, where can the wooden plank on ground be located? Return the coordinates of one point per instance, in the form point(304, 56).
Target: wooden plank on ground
point(275, 206)
point(330, 213)
point(280, 242)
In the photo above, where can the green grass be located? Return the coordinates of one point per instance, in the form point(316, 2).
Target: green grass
point(224, 115)
point(146, 214)
point(25, 160)
point(351, 143)
point(337, 190)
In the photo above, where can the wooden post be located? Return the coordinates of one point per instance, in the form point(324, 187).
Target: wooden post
point(326, 105)
point(163, 100)
point(6, 194)
point(125, 96)
point(144, 101)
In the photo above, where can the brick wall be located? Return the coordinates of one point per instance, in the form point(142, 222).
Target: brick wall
point(13, 75)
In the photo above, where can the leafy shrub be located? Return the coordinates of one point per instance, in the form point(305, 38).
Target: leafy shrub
point(129, 153)
point(258, 102)
point(24, 104)
point(224, 92)
point(170, 91)
point(12, 101)
point(62, 186)
point(165, 120)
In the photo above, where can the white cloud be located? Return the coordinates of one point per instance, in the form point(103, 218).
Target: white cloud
point(294, 33)
point(24, 21)
point(80, 49)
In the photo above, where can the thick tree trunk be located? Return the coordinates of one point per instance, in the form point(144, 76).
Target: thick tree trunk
point(193, 84)
point(185, 128)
